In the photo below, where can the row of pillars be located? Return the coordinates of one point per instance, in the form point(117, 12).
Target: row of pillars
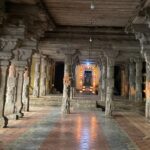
point(41, 75)
point(13, 90)
point(131, 82)
point(15, 84)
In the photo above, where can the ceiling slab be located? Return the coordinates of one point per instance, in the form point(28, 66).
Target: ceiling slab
point(78, 12)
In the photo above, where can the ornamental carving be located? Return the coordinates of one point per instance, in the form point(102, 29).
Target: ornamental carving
point(67, 80)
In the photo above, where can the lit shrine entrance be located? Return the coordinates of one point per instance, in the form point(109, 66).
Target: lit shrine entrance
point(87, 78)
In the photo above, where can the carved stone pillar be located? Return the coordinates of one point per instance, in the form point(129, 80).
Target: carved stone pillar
point(11, 91)
point(132, 80)
point(66, 89)
point(147, 109)
point(103, 80)
point(110, 85)
point(25, 93)
point(138, 94)
point(20, 67)
point(36, 75)
point(43, 76)
point(3, 76)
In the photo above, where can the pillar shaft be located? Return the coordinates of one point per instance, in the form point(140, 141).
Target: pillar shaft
point(110, 86)
point(43, 76)
point(126, 87)
point(36, 76)
point(25, 92)
point(3, 76)
point(19, 102)
point(66, 89)
point(138, 96)
point(147, 108)
point(49, 74)
point(103, 82)
point(11, 91)
point(132, 81)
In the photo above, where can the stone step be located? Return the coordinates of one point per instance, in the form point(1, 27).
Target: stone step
point(57, 101)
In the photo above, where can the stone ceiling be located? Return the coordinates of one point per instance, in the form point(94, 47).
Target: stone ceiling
point(73, 28)
point(78, 12)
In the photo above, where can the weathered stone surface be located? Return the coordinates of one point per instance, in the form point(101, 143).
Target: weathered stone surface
point(20, 67)
point(138, 81)
point(66, 90)
point(37, 76)
point(11, 91)
point(25, 92)
point(3, 74)
point(103, 80)
point(110, 85)
point(43, 76)
point(147, 109)
point(132, 75)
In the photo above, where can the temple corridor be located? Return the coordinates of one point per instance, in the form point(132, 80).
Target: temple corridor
point(46, 129)
point(75, 74)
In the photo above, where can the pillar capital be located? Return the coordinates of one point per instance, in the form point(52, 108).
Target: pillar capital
point(7, 44)
point(138, 60)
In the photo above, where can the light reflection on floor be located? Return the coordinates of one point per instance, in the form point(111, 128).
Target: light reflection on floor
point(86, 131)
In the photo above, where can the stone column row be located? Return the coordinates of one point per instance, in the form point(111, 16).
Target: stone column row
point(133, 76)
point(41, 75)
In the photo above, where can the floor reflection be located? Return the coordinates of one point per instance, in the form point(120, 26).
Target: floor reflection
point(86, 132)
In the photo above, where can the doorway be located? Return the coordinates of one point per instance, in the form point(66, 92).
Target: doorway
point(88, 78)
point(59, 73)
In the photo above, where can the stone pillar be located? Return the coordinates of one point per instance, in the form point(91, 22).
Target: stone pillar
point(66, 89)
point(3, 76)
point(48, 87)
point(36, 75)
point(138, 94)
point(132, 80)
point(126, 87)
point(103, 81)
point(110, 85)
point(20, 67)
point(11, 91)
point(43, 76)
point(147, 108)
point(122, 80)
point(25, 92)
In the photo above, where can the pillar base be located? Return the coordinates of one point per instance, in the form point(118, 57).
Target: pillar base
point(19, 115)
point(3, 122)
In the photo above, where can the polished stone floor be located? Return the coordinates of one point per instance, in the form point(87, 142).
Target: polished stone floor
point(46, 129)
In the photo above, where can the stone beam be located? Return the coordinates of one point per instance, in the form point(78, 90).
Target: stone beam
point(43, 6)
